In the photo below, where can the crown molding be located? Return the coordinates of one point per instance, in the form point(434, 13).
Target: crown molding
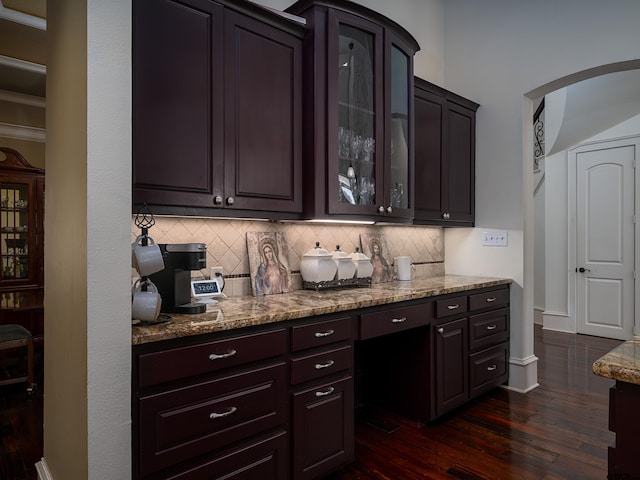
point(22, 99)
point(22, 132)
point(22, 18)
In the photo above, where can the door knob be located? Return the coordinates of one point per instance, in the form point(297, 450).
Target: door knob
point(582, 270)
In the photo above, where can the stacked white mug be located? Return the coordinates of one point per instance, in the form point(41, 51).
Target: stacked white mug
point(147, 259)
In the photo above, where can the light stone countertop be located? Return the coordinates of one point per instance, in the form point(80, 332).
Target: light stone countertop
point(622, 363)
point(237, 312)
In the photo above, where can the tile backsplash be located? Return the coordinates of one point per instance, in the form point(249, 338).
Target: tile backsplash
point(227, 245)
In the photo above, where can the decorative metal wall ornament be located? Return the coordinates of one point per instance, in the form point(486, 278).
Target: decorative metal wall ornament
point(538, 137)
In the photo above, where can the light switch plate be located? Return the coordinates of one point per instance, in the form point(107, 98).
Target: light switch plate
point(495, 238)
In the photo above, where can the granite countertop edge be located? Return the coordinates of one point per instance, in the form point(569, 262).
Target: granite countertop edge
point(622, 363)
point(239, 312)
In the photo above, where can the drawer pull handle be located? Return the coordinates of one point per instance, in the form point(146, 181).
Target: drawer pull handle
point(441, 330)
point(453, 307)
point(399, 320)
point(320, 366)
point(491, 368)
point(324, 334)
point(229, 411)
point(491, 299)
point(491, 327)
point(218, 356)
point(328, 391)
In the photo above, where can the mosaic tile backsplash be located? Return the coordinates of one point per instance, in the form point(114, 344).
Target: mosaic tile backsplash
point(227, 245)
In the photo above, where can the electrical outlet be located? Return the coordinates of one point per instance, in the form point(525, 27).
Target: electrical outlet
point(495, 239)
point(215, 270)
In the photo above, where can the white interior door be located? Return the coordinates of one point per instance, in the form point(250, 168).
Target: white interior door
point(605, 239)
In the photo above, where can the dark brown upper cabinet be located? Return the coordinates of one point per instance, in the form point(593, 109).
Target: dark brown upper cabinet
point(217, 109)
point(358, 111)
point(445, 129)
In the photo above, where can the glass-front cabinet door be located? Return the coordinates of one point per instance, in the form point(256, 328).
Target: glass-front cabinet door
point(399, 127)
point(356, 118)
point(359, 113)
point(17, 225)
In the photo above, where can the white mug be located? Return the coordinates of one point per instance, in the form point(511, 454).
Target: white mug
point(145, 305)
point(404, 267)
point(146, 259)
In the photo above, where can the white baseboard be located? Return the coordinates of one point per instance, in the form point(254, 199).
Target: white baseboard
point(558, 321)
point(43, 470)
point(523, 374)
point(537, 315)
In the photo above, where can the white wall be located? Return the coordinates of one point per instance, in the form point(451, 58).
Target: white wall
point(87, 412)
point(501, 55)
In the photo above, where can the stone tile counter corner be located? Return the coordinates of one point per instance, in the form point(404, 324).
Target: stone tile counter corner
point(238, 312)
point(622, 363)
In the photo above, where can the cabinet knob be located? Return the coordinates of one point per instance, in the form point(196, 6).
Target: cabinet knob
point(381, 209)
point(399, 320)
point(389, 209)
point(320, 366)
point(441, 330)
point(218, 356)
point(446, 216)
point(217, 200)
point(491, 368)
point(324, 334)
point(454, 306)
point(226, 413)
point(230, 201)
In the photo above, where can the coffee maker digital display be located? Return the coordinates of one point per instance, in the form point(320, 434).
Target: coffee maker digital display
point(174, 282)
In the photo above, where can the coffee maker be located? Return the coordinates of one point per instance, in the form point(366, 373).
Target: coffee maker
point(174, 282)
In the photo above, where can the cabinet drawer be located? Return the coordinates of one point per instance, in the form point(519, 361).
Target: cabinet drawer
point(265, 458)
point(488, 368)
point(185, 362)
point(494, 298)
point(186, 422)
point(488, 328)
point(393, 320)
point(309, 367)
point(451, 306)
point(320, 333)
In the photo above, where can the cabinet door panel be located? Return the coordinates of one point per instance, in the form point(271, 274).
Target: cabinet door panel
point(322, 428)
point(460, 185)
point(263, 120)
point(428, 154)
point(452, 371)
point(177, 102)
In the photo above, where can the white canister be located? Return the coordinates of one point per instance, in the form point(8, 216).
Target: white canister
point(317, 265)
point(364, 267)
point(346, 267)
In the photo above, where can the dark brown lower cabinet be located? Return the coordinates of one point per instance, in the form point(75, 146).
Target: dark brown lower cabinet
point(277, 402)
point(624, 420)
point(322, 424)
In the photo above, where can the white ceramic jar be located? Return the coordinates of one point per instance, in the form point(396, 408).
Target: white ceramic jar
point(346, 267)
point(317, 265)
point(364, 267)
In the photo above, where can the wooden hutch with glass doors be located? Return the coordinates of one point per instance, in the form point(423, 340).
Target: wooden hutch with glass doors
point(22, 243)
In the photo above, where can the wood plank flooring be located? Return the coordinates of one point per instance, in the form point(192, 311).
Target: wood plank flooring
point(557, 431)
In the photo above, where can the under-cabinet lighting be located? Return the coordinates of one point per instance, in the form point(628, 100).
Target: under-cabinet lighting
point(348, 222)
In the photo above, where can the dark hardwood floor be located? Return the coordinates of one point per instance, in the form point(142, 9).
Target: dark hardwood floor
point(557, 431)
point(20, 432)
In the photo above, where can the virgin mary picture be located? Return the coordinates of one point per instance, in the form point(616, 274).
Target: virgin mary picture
point(268, 262)
point(374, 246)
